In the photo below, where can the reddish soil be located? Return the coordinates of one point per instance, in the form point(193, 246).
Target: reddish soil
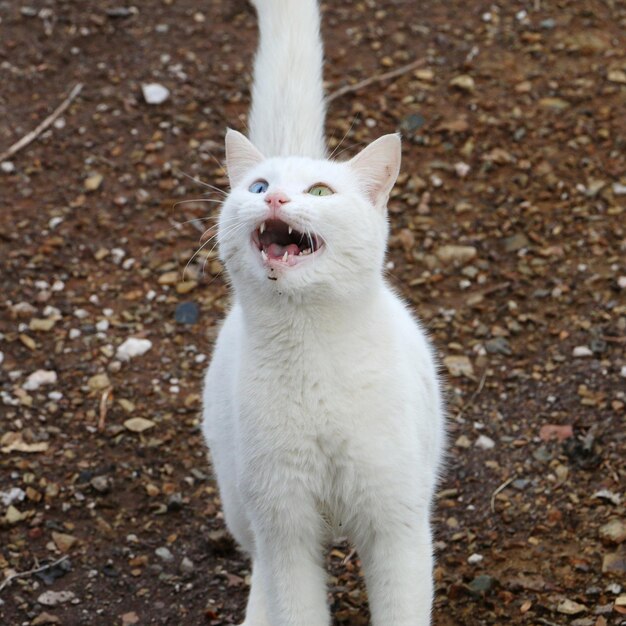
point(514, 147)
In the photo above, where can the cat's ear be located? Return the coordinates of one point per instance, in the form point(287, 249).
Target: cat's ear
point(241, 156)
point(378, 166)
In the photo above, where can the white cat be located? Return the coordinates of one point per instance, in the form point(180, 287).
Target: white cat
point(322, 408)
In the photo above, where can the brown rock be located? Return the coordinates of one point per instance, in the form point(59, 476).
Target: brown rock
point(455, 254)
point(45, 618)
point(459, 365)
point(130, 618)
point(63, 541)
point(614, 531)
point(614, 563)
point(99, 382)
point(138, 424)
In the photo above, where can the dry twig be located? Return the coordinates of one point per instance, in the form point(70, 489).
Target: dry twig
point(107, 394)
point(43, 568)
point(469, 403)
point(26, 139)
point(342, 91)
point(502, 487)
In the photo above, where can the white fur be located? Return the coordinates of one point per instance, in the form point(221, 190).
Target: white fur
point(288, 108)
point(322, 407)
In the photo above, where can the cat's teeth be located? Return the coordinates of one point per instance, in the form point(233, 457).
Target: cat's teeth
point(290, 230)
point(262, 228)
point(264, 255)
point(307, 251)
point(285, 256)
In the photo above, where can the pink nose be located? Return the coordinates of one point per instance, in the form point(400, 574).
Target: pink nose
point(276, 199)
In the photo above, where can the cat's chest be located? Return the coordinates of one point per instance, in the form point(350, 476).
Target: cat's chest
point(306, 387)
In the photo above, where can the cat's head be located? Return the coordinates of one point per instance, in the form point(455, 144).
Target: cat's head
point(295, 224)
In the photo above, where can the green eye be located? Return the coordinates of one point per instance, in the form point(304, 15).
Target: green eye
point(321, 190)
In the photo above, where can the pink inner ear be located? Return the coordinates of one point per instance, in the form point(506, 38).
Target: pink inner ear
point(378, 166)
point(241, 156)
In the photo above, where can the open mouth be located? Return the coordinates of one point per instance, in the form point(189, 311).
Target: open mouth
point(278, 241)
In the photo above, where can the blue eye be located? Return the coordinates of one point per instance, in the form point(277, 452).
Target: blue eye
point(258, 186)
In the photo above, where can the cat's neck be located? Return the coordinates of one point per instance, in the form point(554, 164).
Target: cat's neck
point(270, 311)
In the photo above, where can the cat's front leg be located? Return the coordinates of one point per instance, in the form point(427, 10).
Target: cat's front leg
point(398, 565)
point(289, 558)
point(256, 609)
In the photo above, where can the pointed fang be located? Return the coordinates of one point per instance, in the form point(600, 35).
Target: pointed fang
point(264, 255)
point(262, 228)
point(285, 257)
point(290, 229)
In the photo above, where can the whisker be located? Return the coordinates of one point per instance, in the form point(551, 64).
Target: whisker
point(354, 119)
point(196, 200)
point(200, 182)
point(206, 258)
point(354, 145)
point(194, 221)
point(228, 230)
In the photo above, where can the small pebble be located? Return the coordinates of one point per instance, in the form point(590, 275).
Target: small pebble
point(164, 554)
point(155, 93)
point(187, 313)
point(53, 598)
point(40, 378)
point(485, 443)
point(133, 347)
point(15, 494)
point(187, 566)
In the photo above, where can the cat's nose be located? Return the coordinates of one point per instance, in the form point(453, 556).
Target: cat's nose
point(276, 199)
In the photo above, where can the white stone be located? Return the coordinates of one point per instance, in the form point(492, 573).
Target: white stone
point(154, 93)
point(621, 281)
point(15, 494)
point(462, 169)
point(7, 167)
point(582, 352)
point(133, 347)
point(118, 254)
point(484, 442)
point(39, 378)
point(473, 559)
point(165, 554)
point(52, 598)
point(102, 326)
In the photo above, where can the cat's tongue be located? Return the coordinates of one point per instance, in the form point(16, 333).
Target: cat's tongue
point(276, 251)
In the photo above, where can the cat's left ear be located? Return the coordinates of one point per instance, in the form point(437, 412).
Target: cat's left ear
point(241, 156)
point(378, 166)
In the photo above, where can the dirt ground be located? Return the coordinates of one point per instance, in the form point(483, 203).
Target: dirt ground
point(508, 237)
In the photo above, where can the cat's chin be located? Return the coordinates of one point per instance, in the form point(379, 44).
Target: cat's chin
point(281, 245)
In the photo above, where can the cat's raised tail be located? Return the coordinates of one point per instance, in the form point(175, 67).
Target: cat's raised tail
point(288, 108)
